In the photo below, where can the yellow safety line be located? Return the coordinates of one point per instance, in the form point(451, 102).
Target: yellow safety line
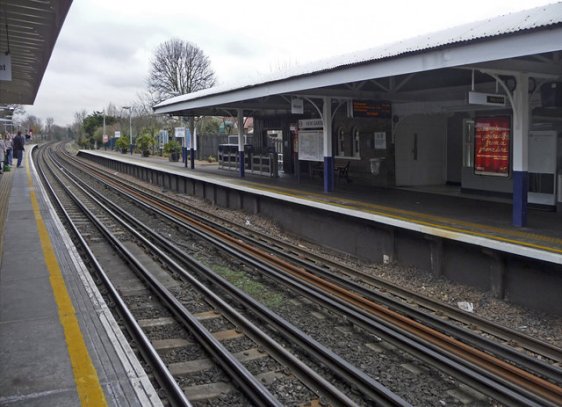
point(387, 212)
point(85, 374)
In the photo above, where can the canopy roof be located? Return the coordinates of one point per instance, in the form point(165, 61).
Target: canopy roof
point(32, 30)
point(437, 66)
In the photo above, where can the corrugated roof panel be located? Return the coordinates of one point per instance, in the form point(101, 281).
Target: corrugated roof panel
point(536, 18)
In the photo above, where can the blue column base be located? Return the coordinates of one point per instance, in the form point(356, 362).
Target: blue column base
point(520, 192)
point(192, 157)
point(328, 174)
point(241, 163)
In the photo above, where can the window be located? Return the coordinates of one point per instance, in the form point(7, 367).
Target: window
point(341, 142)
point(348, 143)
point(468, 143)
point(356, 143)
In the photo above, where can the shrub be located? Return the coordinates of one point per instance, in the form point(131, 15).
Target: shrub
point(122, 144)
point(172, 147)
point(144, 143)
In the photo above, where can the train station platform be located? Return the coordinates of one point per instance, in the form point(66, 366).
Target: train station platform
point(426, 209)
point(59, 343)
point(465, 238)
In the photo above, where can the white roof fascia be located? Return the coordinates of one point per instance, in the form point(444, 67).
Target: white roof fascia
point(519, 44)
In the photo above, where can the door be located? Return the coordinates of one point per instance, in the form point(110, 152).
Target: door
point(420, 150)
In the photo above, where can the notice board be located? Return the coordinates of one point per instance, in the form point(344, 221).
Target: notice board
point(311, 146)
point(492, 146)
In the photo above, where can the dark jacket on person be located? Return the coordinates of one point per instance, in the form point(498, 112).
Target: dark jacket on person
point(18, 142)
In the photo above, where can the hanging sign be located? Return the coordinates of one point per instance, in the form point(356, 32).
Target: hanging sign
point(179, 132)
point(297, 106)
point(477, 98)
point(491, 146)
point(5, 67)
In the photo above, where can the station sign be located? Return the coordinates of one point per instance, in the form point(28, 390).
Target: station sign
point(488, 99)
point(179, 132)
point(372, 109)
point(297, 106)
point(105, 138)
point(311, 124)
point(117, 134)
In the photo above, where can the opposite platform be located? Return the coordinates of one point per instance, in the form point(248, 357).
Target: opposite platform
point(468, 218)
point(59, 343)
point(469, 241)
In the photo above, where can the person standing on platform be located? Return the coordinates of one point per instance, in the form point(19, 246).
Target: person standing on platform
point(9, 149)
point(19, 143)
point(3, 160)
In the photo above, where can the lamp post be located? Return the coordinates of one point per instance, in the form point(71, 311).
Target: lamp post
point(130, 129)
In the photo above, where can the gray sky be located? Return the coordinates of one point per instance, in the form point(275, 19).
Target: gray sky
point(104, 49)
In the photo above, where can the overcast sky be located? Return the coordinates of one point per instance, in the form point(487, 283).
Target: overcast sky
point(104, 49)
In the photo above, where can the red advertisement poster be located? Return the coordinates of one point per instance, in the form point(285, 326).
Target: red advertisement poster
point(491, 146)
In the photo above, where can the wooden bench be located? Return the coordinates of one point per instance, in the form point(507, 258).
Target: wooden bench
point(343, 172)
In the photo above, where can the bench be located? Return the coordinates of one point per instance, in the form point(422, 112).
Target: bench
point(340, 172)
point(343, 172)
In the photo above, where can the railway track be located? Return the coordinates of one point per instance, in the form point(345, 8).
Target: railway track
point(475, 367)
point(135, 295)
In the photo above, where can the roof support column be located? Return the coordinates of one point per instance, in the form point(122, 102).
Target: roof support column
point(520, 149)
point(241, 141)
point(328, 157)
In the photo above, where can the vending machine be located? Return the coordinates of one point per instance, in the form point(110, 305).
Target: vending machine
point(543, 157)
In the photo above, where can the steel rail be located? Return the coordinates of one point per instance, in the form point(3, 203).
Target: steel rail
point(304, 372)
point(478, 358)
point(342, 368)
point(251, 387)
point(522, 340)
point(174, 393)
point(529, 388)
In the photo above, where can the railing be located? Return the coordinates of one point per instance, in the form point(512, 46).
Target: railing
point(265, 164)
point(261, 164)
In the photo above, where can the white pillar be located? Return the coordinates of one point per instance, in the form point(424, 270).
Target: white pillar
point(241, 141)
point(521, 124)
point(240, 130)
point(520, 149)
point(327, 121)
point(327, 138)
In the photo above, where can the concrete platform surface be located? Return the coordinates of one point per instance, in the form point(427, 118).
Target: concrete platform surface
point(59, 343)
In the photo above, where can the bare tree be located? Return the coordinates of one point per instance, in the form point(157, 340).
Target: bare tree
point(49, 127)
point(177, 68)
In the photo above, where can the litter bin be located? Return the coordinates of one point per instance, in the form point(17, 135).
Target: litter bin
point(375, 164)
